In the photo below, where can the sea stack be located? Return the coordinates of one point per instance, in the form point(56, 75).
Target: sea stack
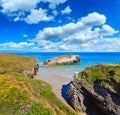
point(62, 60)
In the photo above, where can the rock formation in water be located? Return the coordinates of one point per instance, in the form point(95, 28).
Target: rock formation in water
point(62, 60)
point(96, 90)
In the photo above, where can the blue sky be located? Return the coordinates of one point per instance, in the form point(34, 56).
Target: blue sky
point(60, 25)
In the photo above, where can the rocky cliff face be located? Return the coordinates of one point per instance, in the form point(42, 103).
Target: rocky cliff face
point(32, 72)
point(101, 97)
point(76, 97)
point(62, 60)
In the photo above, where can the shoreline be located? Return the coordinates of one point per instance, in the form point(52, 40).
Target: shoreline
point(58, 84)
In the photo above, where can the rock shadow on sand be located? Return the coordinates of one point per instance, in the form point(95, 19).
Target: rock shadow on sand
point(64, 91)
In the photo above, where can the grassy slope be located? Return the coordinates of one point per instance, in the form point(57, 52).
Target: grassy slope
point(21, 95)
point(15, 64)
point(102, 72)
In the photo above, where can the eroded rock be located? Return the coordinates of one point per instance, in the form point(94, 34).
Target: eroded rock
point(62, 60)
point(31, 73)
point(99, 96)
point(76, 99)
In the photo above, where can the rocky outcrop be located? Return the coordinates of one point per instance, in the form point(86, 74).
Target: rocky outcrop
point(33, 72)
point(76, 97)
point(62, 60)
point(102, 96)
point(79, 96)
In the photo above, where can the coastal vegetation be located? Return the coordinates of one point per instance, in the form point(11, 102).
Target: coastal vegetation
point(98, 84)
point(103, 72)
point(21, 95)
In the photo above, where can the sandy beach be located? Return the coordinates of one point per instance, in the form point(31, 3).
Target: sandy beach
point(58, 83)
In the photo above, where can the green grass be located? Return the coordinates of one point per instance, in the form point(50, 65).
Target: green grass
point(102, 72)
point(21, 95)
point(40, 109)
point(13, 63)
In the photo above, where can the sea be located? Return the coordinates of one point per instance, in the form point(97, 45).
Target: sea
point(86, 59)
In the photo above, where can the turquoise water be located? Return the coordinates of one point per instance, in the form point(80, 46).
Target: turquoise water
point(87, 59)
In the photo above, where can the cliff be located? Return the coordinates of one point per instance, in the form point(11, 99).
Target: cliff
point(62, 60)
point(21, 95)
point(22, 65)
point(96, 87)
point(31, 73)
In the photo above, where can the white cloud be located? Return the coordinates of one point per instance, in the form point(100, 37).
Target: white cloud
point(15, 5)
point(59, 21)
point(106, 30)
point(55, 12)
point(25, 35)
point(103, 44)
point(69, 18)
point(38, 15)
point(71, 29)
point(54, 3)
point(59, 32)
point(94, 19)
point(67, 10)
point(23, 10)
point(16, 19)
point(79, 36)
point(17, 45)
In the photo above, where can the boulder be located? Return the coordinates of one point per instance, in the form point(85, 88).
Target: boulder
point(62, 60)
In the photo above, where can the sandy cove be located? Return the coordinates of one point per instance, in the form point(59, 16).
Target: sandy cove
point(57, 82)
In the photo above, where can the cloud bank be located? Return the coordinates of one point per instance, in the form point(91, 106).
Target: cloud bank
point(30, 12)
point(87, 34)
point(16, 45)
